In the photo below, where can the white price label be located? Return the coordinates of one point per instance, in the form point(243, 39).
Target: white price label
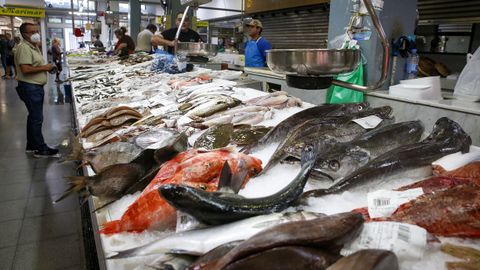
point(368, 122)
point(382, 203)
point(405, 240)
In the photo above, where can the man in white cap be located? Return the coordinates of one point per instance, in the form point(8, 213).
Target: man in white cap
point(256, 47)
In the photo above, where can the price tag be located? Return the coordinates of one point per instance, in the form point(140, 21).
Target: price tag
point(382, 203)
point(405, 240)
point(368, 122)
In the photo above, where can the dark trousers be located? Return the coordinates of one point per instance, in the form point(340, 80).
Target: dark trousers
point(32, 95)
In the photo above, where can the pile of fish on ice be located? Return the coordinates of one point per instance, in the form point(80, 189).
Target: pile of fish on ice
point(193, 172)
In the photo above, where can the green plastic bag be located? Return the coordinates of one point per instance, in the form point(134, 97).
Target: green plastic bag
point(337, 94)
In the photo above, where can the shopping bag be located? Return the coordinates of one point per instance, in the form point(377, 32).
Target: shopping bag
point(337, 94)
point(468, 83)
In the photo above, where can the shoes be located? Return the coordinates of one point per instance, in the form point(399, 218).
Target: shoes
point(45, 153)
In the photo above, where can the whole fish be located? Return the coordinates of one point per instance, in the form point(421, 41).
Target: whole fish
point(452, 212)
point(325, 132)
point(245, 135)
point(213, 106)
point(220, 207)
point(215, 137)
point(446, 137)
point(368, 259)
point(196, 168)
point(344, 158)
point(110, 154)
point(279, 132)
point(286, 258)
point(330, 232)
point(201, 241)
point(238, 109)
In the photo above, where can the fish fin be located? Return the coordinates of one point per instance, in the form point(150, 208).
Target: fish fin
point(77, 183)
point(103, 206)
point(112, 227)
point(303, 199)
point(238, 179)
point(225, 180)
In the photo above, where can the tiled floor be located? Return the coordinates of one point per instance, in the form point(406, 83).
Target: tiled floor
point(34, 233)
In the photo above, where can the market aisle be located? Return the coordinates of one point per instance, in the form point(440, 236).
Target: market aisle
point(34, 233)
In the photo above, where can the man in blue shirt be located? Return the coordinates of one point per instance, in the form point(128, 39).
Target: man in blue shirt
point(256, 47)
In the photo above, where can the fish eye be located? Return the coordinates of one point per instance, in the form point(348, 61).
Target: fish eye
point(309, 148)
point(334, 165)
point(360, 107)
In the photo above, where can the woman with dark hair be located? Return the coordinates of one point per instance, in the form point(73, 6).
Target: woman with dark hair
point(57, 58)
point(125, 44)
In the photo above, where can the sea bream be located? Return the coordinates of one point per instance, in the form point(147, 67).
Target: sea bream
point(344, 158)
point(446, 137)
point(200, 241)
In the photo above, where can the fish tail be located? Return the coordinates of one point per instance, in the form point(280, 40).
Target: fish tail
point(466, 253)
point(112, 227)
point(77, 183)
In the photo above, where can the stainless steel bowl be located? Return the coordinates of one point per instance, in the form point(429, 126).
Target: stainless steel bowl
point(313, 62)
point(197, 49)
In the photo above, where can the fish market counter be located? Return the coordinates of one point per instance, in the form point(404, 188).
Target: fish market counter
point(126, 103)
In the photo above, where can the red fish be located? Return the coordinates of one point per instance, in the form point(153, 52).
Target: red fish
point(453, 211)
point(194, 168)
point(471, 171)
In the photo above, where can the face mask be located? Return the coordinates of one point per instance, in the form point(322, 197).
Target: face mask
point(35, 38)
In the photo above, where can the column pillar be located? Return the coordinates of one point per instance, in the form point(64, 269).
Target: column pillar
point(134, 18)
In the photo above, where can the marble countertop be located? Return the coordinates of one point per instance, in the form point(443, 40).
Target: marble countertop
point(449, 104)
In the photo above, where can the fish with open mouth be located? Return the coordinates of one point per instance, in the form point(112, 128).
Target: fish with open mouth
point(328, 233)
point(344, 158)
point(279, 132)
point(446, 137)
point(325, 132)
point(222, 207)
point(200, 241)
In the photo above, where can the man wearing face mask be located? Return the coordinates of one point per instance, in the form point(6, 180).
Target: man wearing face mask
point(32, 76)
point(167, 37)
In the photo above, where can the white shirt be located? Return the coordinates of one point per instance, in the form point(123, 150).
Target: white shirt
point(144, 42)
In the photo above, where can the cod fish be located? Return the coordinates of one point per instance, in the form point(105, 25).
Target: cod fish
point(281, 130)
point(368, 259)
point(201, 241)
point(221, 207)
point(329, 233)
point(286, 258)
point(344, 158)
point(324, 131)
point(446, 137)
